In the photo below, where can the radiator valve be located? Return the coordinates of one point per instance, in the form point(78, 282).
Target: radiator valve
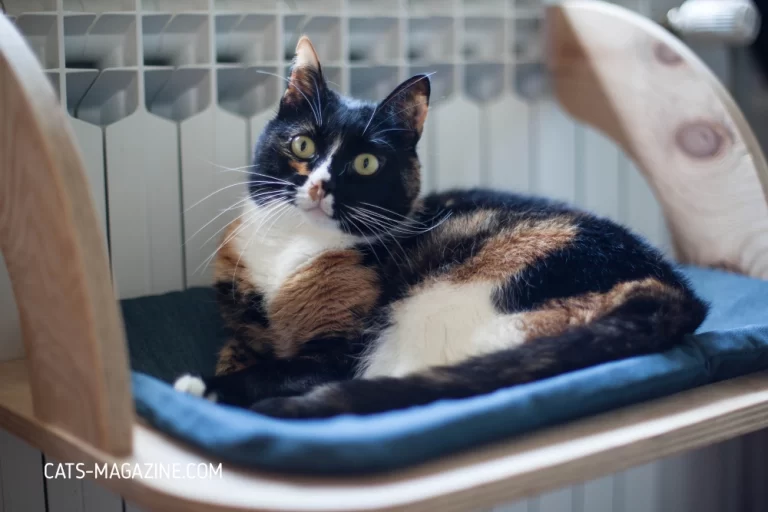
point(732, 22)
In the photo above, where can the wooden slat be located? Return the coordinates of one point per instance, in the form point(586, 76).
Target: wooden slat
point(626, 76)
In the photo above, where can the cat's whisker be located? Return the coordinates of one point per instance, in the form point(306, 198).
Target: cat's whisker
point(317, 92)
point(204, 264)
point(238, 203)
point(382, 141)
point(401, 227)
point(428, 223)
point(250, 172)
point(276, 218)
point(365, 238)
point(391, 130)
point(268, 194)
point(405, 230)
point(225, 168)
point(376, 233)
point(240, 184)
point(267, 215)
point(238, 230)
point(269, 202)
point(282, 208)
point(394, 239)
point(387, 210)
point(262, 175)
point(393, 226)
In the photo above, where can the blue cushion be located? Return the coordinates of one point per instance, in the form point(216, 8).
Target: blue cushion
point(733, 341)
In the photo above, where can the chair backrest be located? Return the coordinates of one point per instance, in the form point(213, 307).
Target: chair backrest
point(56, 259)
point(628, 77)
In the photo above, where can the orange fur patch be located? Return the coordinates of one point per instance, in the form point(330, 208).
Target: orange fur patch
point(234, 356)
point(302, 86)
point(559, 314)
point(510, 251)
point(228, 265)
point(331, 295)
point(300, 167)
point(412, 178)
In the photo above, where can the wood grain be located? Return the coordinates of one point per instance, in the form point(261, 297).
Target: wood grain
point(484, 477)
point(626, 76)
point(55, 254)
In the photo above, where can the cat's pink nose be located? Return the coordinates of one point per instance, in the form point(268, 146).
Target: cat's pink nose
point(316, 191)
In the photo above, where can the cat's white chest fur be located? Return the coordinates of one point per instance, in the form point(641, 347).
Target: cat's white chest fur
point(274, 245)
point(441, 324)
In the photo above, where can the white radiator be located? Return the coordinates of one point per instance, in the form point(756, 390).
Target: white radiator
point(165, 95)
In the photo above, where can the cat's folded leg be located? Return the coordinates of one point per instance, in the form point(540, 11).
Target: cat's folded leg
point(271, 376)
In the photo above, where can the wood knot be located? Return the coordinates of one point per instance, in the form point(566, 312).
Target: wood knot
point(700, 139)
point(667, 55)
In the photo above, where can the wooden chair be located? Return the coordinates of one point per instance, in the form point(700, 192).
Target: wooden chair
point(614, 70)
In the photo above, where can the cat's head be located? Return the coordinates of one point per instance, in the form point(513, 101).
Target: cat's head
point(347, 164)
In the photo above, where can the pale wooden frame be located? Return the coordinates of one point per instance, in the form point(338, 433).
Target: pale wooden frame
point(76, 356)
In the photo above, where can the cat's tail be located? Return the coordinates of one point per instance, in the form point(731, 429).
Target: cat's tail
point(642, 324)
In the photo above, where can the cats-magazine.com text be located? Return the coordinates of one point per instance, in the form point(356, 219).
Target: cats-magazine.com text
point(132, 470)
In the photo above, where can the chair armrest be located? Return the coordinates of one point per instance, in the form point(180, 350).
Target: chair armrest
point(55, 254)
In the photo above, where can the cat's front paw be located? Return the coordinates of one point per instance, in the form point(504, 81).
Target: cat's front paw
point(194, 386)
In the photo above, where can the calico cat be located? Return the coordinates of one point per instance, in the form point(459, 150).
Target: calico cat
point(347, 293)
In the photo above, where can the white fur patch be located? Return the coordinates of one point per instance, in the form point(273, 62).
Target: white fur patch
point(273, 250)
point(320, 174)
point(193, 386)
point(442, 324)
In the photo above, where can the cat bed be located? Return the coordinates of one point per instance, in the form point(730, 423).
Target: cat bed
point(180, 332)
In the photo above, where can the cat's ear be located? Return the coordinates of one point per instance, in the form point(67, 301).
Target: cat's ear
point(306, 81)
point(409, 103)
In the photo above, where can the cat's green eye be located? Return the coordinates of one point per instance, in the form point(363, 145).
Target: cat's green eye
point(302, 146)
point(366, 164)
